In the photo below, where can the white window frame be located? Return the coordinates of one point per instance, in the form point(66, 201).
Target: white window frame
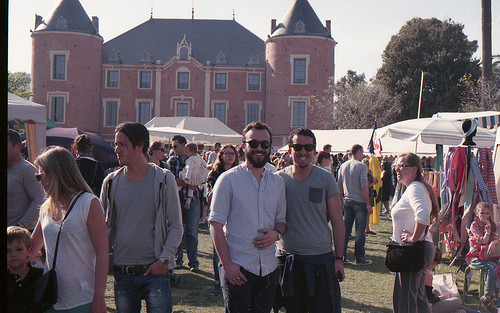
point(226, 102)
point(139, 76)
point(182, 70)
point(138, 108)
point(246, 103)
point(294, 57)
point(52, 54)
point(215, 81)
point(107, 76)
point(291, 100)
point(248, 82)
point(182, 101)
point(55, 94)
point(104, 102)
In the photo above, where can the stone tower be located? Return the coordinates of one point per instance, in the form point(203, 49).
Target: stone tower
point(299, 62)
point(66, 66)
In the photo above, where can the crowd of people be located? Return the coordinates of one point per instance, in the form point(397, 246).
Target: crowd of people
point(280, 223)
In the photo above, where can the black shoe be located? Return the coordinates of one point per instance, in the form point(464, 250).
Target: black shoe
point(194, 269)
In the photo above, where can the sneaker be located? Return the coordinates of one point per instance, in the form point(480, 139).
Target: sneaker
point(370, 232)
point(364, 262)
point(194, 269)
point(187, 205)
point(346, 260)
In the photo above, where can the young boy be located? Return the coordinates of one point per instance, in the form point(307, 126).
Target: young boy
point(195, 172)
point(21, 277)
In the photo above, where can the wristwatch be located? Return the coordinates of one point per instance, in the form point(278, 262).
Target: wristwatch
point(164, 261)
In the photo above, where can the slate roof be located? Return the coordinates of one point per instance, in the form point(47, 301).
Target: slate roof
point(301, 20)
point(159, 38)
point(69, 16)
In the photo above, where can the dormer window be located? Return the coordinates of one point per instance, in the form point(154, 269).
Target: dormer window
point(221, 58)
point(184, 50)
point(146, 57)
point(184, 54)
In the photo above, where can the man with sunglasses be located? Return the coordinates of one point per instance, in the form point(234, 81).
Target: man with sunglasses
point(190, 217)
point(247, 217)
point(24, 193)
point(311, 270)
point(353, 185)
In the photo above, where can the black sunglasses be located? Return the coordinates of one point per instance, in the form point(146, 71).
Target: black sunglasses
point(298, 147)
point(255, 143)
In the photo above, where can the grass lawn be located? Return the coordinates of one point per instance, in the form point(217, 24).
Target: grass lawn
point(365, 289)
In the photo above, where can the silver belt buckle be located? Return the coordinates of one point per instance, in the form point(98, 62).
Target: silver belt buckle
point(127, 270)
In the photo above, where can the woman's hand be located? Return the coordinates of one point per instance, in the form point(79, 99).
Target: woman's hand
point(406, 236)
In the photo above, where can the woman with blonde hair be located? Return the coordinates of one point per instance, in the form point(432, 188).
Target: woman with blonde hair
point(411, 217)
point(82, 257)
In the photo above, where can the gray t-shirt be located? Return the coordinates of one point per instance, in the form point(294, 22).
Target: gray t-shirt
point(308, 232)
point(353, 176)
point(24, 195)
point(135, 220)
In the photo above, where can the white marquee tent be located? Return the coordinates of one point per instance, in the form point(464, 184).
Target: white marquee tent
point(34, 117)
point(197, 129)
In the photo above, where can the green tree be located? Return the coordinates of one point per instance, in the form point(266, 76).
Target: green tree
point(479, 95)
point(19, 84)
point(357, 103)
point(442, 51)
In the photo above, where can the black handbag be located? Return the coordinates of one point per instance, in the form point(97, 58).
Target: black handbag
point(406, 257)
point(46, 286)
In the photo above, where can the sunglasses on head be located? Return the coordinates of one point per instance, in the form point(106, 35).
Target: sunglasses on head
point(298, 147)
point(255, 143)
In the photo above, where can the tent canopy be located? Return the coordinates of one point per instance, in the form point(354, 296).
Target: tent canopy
point(198, 129)
point(486, 119)
point(343, 139)
point(34, 117)
point(435, 131)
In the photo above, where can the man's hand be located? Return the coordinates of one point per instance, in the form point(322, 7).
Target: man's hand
point(339, 270)
point(234, 275)
point(264, 242)
point(369, 208)
point(157, 268)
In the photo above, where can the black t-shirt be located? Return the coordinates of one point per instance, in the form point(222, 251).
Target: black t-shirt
point(93, 173)
point(20, 293)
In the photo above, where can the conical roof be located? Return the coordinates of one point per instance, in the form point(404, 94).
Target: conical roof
point(300, 20)
point(68, 16)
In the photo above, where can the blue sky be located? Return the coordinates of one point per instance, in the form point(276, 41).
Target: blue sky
point(362, 28)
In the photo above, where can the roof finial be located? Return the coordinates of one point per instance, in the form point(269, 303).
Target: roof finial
point(151, 11)
point(234, 15)
point(192, 11)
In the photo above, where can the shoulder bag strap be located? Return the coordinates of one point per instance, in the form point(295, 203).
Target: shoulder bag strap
point(60, 228)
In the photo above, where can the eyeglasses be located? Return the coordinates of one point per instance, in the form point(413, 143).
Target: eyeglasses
point(400, 166)
point(229, 153)
point(255, 143)
point(298, 147)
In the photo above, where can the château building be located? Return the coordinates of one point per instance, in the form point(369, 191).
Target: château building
point(182, 67)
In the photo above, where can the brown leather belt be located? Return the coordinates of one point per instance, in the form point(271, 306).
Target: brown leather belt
point(131, 269)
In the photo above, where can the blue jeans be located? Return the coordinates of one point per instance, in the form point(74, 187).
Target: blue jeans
point(191, 221)
point(255, 296)
point(490, 277)
point(131, 289)
point(355, 211)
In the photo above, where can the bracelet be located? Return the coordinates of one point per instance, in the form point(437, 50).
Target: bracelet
point(340, 258)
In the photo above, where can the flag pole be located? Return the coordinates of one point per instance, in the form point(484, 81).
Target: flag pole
point(419, 105)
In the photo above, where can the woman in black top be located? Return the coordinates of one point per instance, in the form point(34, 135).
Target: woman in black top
point(92, 170)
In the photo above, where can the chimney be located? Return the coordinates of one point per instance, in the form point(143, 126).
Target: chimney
point(38, 20)
point(95, 21)
point(329, 26)
point(273, 24)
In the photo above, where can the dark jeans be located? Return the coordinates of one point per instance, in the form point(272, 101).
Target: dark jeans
point(131, 289)
point(355, 211)
point(255, 296)
point(191, 220)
